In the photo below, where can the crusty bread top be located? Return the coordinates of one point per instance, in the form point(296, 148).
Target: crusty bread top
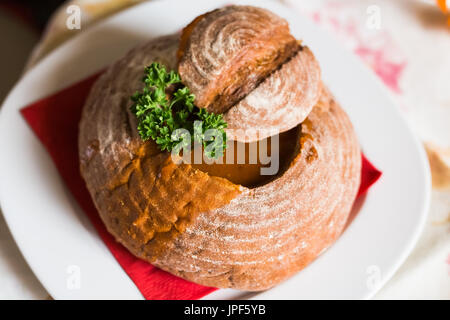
point(242, 61)
point(224, 54)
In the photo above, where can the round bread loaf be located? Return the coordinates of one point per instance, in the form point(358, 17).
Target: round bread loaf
point(205, 228)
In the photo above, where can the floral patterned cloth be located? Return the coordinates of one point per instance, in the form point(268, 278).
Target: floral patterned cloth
point(407, 44)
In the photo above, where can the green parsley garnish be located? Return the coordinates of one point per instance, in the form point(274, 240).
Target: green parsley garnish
point(160, 112)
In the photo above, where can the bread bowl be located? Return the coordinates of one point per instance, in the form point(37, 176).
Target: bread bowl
point(220, 226)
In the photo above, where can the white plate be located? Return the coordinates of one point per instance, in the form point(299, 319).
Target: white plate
point(54, 235)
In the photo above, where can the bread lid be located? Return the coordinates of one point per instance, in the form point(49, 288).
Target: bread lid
point(242, 61)
point(279, 103)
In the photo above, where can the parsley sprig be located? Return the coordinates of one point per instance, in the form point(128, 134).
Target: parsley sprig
point(160, 113)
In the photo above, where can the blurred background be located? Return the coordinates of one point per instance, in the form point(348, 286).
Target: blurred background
point(22, 23)
point(405, 42)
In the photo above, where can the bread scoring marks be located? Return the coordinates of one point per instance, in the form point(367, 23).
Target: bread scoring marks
point(266, 234)
point(226, 53)
point(280, 102)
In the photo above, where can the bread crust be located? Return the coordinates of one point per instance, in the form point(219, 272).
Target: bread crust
point(226, 53)
point(280, 102)
point(143, 198)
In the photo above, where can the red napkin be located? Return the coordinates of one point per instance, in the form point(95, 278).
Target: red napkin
point(55, 122)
